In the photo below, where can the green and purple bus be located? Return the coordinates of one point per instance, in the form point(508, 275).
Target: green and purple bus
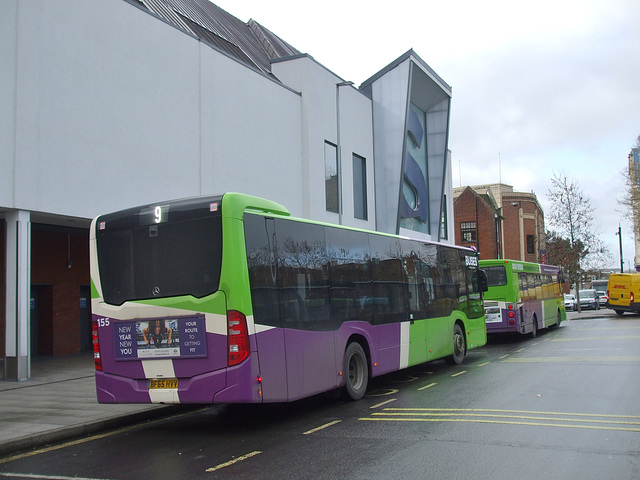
point(228, 299)
point(523, 297)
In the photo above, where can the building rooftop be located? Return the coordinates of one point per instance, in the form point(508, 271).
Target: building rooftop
point(249, 43)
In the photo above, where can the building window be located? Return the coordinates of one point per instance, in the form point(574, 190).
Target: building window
point(414, 197)
point(468, 231)
point(444, 234)
point(359, 187)
point(530, 245)
point(331, 177)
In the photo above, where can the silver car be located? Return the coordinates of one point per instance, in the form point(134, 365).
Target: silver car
point(589, 299)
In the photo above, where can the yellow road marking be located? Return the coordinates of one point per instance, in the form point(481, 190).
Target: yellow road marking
point(572, 359)
point(321, 427)
point(427, 386)
point(499, 422)
point(92, 438)
point(459, 373)
point(516, 417)
point(234, 461)
point(582, 339)
point(625, 423)
point(385, 392)
point(383, 403)
point(528, 412)
point(68, 444)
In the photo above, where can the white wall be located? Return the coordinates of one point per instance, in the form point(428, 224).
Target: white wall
point(319, 123)
point(105, 106)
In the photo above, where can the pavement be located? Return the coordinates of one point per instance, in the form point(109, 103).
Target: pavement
point(59, 402)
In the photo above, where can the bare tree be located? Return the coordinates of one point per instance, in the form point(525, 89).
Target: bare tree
point(575, 232)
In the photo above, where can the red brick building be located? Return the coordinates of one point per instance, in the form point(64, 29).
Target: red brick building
point(60, 302)
point(499, 222)
point(477, 222)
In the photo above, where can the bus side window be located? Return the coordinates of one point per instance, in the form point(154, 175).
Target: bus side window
point(302, 278)
point(259, 237)
point(524, 289)
point(350, 275)
point(417, 280)
point(386, 273)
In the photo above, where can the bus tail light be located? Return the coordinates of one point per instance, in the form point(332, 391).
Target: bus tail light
point(97, 359)
point(511, 314)
point(238, 335)
point(631, 298)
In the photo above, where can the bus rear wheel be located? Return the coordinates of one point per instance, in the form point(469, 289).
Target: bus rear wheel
point(459, 347)
point(534, 332)
point(357, 370)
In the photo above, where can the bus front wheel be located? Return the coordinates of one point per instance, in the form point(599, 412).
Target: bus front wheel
point(459, 347)
point(357, 370)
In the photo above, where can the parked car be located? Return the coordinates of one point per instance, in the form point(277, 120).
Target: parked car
point(602, 295)
point(589, 299)
point(569, 301)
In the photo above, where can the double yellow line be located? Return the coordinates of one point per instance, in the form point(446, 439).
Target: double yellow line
point(624, 423)
point(590, 359)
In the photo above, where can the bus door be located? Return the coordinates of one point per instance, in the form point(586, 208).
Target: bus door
point(290, 296)
point(527, 292)
point(305, 308)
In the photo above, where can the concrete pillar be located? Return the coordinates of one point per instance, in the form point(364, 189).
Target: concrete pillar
point(17, 364)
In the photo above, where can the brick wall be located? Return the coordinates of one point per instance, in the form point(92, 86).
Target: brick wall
point(469, 207)
point(511, 231)
point(59, 286)
point(532, 224)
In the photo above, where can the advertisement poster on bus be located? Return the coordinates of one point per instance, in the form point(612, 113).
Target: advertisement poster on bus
point(160, 338)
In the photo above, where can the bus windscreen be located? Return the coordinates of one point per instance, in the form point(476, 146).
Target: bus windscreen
point(175, 256)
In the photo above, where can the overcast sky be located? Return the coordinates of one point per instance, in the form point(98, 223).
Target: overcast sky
point(549, 87)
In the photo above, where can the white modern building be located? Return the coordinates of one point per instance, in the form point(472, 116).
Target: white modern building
point(106, 105)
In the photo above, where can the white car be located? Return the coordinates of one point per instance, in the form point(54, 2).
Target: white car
point(603, 298)
point(569, 301)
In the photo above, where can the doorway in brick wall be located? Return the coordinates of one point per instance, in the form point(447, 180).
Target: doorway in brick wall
point(86, 342)
point(41, 323)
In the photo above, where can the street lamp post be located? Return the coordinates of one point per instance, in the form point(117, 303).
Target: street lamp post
point(619, 233)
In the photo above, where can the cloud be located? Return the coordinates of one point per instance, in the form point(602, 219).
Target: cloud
point(537, 87)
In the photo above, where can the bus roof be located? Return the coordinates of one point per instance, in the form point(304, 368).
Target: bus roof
point(522, 266)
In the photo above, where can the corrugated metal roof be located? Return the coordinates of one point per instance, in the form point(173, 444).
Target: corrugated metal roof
point(249, 43)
